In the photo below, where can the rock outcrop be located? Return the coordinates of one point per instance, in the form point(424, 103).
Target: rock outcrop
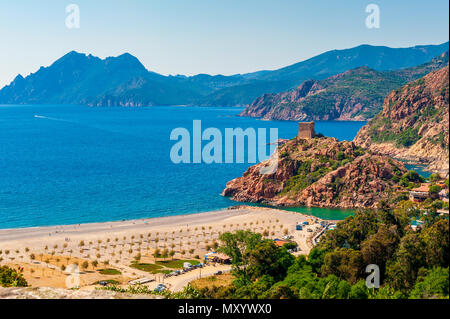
point(57, 293)
point(414, 123)
point(320, 172)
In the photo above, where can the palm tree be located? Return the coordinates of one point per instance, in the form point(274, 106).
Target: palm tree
point(156, 254)
point(165, 253)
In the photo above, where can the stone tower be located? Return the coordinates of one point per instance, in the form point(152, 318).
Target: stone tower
point(306, 130)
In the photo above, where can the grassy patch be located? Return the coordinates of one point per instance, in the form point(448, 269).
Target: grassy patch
point(109, 271)
point(151, 268)
point(217, 280)
point(176, 263)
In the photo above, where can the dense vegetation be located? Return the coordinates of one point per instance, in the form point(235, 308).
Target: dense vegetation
point(11, 278)
point(413, 264)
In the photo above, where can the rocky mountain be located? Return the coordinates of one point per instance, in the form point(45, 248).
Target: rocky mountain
point(320, 172)
point(123, 81)
point(357, 94)
point(414, 123)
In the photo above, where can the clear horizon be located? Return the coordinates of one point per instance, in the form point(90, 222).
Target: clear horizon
point(204, 37)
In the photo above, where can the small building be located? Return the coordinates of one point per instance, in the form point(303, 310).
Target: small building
point(421, 193)
point(218, 258)
point(443, 195)
point(306, 130)
point(280, 243)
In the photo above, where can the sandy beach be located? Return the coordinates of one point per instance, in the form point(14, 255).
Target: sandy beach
point(46, 252)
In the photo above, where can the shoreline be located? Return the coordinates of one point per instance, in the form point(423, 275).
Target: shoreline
point(262, 206)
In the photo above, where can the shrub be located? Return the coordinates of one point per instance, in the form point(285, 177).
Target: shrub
point(11, 278)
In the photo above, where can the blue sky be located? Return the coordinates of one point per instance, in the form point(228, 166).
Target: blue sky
point(208, 36)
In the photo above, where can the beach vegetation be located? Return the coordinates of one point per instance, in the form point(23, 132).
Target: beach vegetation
point(109, 271)
point(10, 277)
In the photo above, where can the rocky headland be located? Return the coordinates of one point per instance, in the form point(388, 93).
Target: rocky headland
point(320, 172)
point(414, 123)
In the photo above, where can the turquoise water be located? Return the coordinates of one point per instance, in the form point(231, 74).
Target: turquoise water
point(419, 169)
point(323, 213)
point(75, 164)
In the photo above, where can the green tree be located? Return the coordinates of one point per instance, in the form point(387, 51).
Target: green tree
point(281, 291)
point(380, 247)
point(359, 290)
point(11, 278)
point(410, 257)
point(437, 247)
point(435, 284)
point(344, 263)
point(235, 245)
point(268, 259)
point(435, 177)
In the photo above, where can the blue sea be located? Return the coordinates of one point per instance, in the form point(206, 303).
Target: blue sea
point(64, 165)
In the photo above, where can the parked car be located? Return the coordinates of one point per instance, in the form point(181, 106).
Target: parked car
point(218, 272)
point(160, 288)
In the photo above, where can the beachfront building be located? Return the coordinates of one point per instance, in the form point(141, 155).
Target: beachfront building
point(421, 193)
point(281, 243)
point(218, 258)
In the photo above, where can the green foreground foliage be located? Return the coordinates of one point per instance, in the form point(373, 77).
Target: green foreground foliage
point(11, 278)
point(413, 264)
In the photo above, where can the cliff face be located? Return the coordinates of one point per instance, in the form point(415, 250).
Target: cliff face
point(320, 172)
point(414, 123)
point(357, 94)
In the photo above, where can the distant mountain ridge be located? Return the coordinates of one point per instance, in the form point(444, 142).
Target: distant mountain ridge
point(123, 81)
point(357, 94)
